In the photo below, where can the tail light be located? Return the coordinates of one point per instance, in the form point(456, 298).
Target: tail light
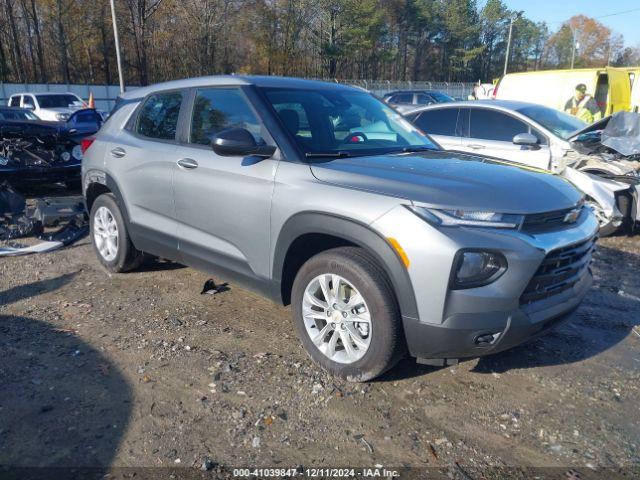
point(85, 143)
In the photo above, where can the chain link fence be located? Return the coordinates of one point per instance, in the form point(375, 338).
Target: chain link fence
point(457, 90)
point(105, 95)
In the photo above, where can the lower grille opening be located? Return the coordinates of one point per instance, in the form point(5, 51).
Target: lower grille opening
point(560, 270)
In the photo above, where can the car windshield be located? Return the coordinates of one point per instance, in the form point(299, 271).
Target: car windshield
point(559, 123)
point(58, 101)
point(18, 115)
point(344, 123)
point(441, 97)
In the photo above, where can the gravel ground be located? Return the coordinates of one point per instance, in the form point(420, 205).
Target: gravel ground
point(141, 370)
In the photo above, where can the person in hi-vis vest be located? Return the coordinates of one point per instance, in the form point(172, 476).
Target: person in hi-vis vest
point(583, 106)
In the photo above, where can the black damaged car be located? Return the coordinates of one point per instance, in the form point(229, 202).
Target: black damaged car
point(35, 151)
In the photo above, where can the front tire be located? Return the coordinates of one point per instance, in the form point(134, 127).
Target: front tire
point(110, 238)
point(608, 226)
point(346, 314)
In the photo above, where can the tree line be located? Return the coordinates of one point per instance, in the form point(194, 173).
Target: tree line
point(71, 41)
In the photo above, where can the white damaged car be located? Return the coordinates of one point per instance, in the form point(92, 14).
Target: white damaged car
point(544, 138)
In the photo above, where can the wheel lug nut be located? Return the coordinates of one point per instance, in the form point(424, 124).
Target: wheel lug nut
point(333, 325)
point(344, 314)
point(343, 326)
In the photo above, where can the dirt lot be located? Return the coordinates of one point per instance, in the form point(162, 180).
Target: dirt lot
point(142, 370)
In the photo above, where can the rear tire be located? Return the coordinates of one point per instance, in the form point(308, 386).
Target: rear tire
point(110, 238)
point(361, 322)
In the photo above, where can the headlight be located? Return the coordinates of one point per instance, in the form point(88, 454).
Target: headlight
point(472, 218)
point(62, 116)
point(475, 268)
point(76, 152)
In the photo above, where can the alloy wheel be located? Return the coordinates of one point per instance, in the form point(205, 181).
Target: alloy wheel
point(105, 233)
point(336, 318)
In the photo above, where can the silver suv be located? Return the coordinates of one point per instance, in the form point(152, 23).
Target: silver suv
point(321, 196)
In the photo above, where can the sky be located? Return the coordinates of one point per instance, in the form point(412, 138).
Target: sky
point(554, 12)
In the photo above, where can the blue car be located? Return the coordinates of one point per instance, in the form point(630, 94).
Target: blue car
point(35, 151)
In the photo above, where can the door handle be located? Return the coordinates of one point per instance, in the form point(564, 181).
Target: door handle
point(188, 163)
point(118, 152)
point(475, 146)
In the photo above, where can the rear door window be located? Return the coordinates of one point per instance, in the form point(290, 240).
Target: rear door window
point(217, 109)
point(14, 101)
point(440, 121)
point(402, 98)
point(158, 116)
point(494, 125)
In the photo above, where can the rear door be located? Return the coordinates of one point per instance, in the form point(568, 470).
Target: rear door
point(490, 132)
point(142, 158)
point(223, 203)
point(441, 125)
point(619, 91)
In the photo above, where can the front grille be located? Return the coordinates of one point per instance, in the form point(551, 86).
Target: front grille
point(547, 221)
point(560, 270)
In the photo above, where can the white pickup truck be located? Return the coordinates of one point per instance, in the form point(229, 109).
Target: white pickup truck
point(55, 107)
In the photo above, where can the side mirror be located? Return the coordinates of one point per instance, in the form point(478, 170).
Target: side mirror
point(526, 140)
point(238, 142)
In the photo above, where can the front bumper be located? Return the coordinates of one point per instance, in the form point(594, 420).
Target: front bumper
point(455, 324)
point(457, 337)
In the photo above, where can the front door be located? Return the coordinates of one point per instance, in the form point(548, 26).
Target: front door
point(223, 204)
point(491, 132)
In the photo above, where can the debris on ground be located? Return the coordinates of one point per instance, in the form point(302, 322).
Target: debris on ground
point(210, 287)
point(21, 219)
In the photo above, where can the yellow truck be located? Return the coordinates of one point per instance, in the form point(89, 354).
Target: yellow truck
point(634, 78)
point(609, 86)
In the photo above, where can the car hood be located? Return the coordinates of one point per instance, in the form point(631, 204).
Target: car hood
point(68, 110)
point(452, 180)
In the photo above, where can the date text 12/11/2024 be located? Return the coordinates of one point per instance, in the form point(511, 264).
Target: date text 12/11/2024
point(376, 472)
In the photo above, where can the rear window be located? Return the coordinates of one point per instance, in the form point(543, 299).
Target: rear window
point(158, 116)
point(14, 101)
point(441, 121)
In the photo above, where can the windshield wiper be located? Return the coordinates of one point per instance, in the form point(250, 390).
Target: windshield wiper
point(340, 154)
point(417, 149)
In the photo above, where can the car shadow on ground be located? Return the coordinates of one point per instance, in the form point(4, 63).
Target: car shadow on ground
point(63, 403)
point(154, 264)
point(608, 314)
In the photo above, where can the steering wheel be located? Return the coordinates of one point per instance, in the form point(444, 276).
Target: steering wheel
point(356, 137)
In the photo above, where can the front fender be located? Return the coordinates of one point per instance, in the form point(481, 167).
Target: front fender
point(602, 190)
point(354, 232)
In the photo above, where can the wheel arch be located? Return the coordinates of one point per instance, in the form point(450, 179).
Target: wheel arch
point(97, 183)
point(308, 233)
